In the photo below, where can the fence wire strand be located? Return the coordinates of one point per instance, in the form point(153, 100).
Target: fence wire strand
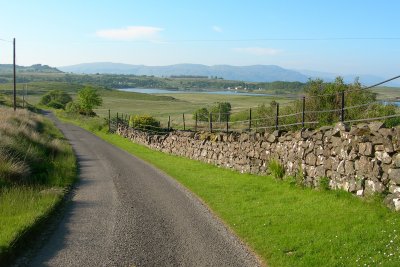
point(218, 119)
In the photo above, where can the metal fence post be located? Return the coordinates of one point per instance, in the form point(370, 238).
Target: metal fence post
point(342, 108)
point(227, 125)
point(303, 112)
point(277, 117)
point(249, 120)
point(169, 123)
point(117, 120)
point(210, 122)
point(183, 117)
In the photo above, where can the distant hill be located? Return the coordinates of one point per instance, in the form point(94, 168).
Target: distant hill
point(255, 73)
point(37, 68)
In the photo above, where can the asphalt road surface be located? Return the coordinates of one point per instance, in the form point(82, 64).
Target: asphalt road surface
point(125, 212)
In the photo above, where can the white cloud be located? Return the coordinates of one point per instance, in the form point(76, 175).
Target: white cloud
point(130, 33)
point(258, 51)
point(216, 28)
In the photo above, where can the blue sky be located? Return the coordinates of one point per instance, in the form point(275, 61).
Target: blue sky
point(344, 37)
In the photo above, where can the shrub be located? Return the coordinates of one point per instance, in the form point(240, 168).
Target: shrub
point(73, 107)
point(56, 99)
point(55, 104)
point(202, 114)
point(322, 96)
point(144, 122)
point(276, 169)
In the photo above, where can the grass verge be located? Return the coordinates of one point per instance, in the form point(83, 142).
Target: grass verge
point(36, 168)
point(286, 225)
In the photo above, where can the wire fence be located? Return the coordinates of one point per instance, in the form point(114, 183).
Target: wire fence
point(303, 112)
point(228, 122)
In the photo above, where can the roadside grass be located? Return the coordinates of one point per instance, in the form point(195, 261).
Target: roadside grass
point(36, 167)
point(20, 209)
point(286, 225)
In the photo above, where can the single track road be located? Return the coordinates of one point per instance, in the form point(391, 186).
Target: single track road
point(125, 212)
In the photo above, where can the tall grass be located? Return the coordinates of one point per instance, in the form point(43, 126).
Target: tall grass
point(36, 165)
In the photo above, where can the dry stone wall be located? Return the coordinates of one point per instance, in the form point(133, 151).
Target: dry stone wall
point(363, 159)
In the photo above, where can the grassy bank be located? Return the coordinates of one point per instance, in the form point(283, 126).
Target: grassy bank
point(36, 166)
point(286, 225)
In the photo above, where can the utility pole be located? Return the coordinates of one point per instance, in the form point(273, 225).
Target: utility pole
point(15, 82)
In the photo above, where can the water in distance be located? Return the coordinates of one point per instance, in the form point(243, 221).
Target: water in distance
point(396, 103)
point(167, 91)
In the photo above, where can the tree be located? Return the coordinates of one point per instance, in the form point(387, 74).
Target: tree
point(221, 111)
point(55, 99)
point(88, 99)
point(202, 114)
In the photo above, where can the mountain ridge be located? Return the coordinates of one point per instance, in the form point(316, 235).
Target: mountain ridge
point(38, 68)
point(252, 73)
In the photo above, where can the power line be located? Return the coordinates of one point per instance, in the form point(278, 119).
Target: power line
point(286, 39)
point(388, 80)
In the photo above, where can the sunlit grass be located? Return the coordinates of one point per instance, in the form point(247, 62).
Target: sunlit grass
point(20, 209)
point(285, 224)
point(36, 165)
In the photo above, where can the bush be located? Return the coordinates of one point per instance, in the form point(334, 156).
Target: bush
point(56, 99)
point(202, 114)
point(55, 104)
point(72, 107)
point(276, 169)
point(144, 122)
point(322, 96)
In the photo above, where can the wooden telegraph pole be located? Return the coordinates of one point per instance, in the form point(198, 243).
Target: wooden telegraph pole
point(15, 82)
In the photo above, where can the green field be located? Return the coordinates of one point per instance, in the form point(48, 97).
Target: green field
point(159, 106)
point(387, 92)
point(174, 105)
point(162, 106)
